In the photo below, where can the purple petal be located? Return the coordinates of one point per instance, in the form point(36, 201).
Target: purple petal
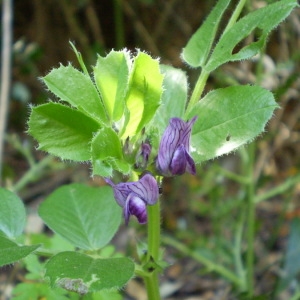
point(145, 151)
point(168, 144)
point(146, 189)
point(137, 207)
point(142, 157)
point(121, 191)
point(186, 133)
point(179, 162)
point(176, 135)
point(190, 166)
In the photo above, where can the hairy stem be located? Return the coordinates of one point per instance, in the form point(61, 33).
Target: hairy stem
point(152, 286)
point(235, 15)
point(198, 90)
point(201, 82)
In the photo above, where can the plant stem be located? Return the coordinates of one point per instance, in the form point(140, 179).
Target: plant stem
point(200, 84)
point(237, 250)
point(233, 176)
point(44, 253)
point(153, 231)
point(286, 185)
point(198, 90)
point(31, 174)
point(250, 221)
point(80, 59)
point(152, 286)
point(212, 266)
point(235, 14)
point(151, 280)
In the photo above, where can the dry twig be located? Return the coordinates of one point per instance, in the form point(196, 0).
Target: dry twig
point(5, 71)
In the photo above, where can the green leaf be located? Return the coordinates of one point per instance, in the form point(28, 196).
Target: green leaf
point(12, 214)
point(62, 131)
point(173, 99)
point(24, 291)
point(112, 76)
point(77, 89)
point(81, 273)
point(264, 19)
point(143, 97)
point(119, 165)
point(88, 217)
point(34, 267)
point(106, 294)
point(291, 267)
point(39, 290)
point(198, 47)
point(229, 118)
point(107, 153)
point(10, 252)
point(106, 167)
point(53, 243)
point(101, 168)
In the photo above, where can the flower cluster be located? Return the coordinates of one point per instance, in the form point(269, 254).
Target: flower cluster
point(173, 159)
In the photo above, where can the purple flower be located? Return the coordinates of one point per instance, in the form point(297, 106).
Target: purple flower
point(143, 155)
point(135, 196)
point(174, 150)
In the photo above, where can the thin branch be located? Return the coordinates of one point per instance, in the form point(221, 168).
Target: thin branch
point(5, 72)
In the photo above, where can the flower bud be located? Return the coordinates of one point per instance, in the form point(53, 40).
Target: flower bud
point(174, 150)
point(142, 157)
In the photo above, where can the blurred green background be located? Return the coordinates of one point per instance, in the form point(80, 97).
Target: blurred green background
point(203, 213)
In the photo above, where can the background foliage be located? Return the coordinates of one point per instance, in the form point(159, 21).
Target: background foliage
point(217, 193)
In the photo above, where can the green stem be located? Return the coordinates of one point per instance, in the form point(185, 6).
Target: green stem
point(278, 189)
point(233, 176)
point(200, 84)
point(152, 286)
point(212, 266)
point(153, 231)
point(237, 250)
point(235, 14)
point(31, 174)
point(198, 90)
point(16, 143)
point(250, 221)
point(80, 59)
point(151, 280)
point(44, 253)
